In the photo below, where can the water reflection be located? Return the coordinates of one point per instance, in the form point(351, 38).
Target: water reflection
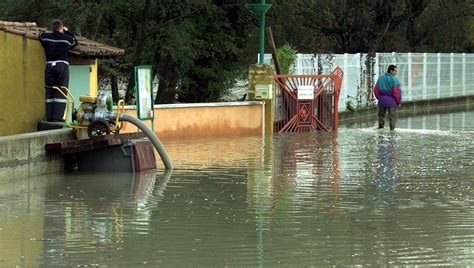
point(95, 211)
point(148, 190)
point(361, 197)
point(456, 121)
point(387, 174)
point(21, 220)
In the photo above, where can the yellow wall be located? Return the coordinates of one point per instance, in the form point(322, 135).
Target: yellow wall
point(94, 80)
point(200, 121)
point(21, 84)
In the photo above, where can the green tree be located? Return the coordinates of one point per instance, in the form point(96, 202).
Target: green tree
point(198, 48)
point(287, 58)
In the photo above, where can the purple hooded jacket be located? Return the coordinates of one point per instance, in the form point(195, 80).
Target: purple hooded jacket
point(388, 91)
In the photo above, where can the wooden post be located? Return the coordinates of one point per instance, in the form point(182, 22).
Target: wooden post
point(271, 41)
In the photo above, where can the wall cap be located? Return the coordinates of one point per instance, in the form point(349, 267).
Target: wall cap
point(37, 134)
point(197, 105)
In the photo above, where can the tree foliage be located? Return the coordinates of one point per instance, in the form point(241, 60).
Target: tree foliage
point(352, 26)
point(287, 58)
point(199, 48)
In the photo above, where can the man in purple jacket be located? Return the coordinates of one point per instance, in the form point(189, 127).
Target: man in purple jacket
point(389, 94)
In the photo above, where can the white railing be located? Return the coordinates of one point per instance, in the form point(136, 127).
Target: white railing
point(423, 76)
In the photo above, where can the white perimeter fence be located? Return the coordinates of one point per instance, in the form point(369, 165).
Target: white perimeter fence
point(423, 76)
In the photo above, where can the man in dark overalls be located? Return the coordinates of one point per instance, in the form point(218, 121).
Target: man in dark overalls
point(56, 45)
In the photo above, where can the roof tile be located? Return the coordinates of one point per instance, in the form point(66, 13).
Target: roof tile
point(85, 47)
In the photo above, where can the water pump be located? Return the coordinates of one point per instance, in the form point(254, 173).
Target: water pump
point(96, 113)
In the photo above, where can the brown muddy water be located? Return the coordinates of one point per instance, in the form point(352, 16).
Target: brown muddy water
point(363, 197)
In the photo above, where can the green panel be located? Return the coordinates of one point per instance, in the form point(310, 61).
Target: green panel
point(79, 81)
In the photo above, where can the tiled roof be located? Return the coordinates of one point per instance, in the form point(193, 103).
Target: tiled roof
point(85, 46)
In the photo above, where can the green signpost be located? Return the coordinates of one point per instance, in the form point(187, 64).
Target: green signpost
point(144, 93)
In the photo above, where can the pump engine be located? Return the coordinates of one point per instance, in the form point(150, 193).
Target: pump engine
point(96, 113)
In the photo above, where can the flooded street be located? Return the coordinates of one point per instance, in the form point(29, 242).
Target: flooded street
point(453, 121)
point(363, 197)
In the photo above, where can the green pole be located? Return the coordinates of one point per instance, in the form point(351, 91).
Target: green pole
point(260, 9)
point(262, 35)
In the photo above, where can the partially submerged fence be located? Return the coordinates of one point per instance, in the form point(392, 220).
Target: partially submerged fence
point(423, 76)
point(307, 102)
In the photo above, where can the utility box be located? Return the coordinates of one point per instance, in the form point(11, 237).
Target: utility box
point(263, 91)
point(260, 82)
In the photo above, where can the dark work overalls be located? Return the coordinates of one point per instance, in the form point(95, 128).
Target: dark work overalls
point(56, 46)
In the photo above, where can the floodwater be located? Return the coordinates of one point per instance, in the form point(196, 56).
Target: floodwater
point(363, 197)
point(449, 121)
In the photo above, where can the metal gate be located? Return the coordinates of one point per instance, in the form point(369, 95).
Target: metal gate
point(307, 102)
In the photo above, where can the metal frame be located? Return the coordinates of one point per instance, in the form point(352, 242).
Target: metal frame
point(298, 115)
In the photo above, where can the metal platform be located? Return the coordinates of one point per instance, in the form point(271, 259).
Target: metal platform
point(94, 143)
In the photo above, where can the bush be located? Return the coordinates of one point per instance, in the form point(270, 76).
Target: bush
point(287, 58)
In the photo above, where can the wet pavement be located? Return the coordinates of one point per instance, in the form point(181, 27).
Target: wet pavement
point(361, 197)
point(448, 121)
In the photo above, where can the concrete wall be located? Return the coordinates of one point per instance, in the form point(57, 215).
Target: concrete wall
point(24, 155)
point(22, 64)
point(207, 119)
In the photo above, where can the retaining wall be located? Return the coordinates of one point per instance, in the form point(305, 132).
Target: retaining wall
point(24, 155)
